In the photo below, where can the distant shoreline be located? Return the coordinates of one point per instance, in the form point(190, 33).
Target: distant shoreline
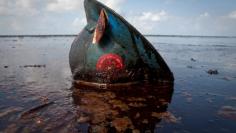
point(147, 35)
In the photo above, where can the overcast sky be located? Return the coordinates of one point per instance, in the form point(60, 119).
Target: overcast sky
point(178, 17)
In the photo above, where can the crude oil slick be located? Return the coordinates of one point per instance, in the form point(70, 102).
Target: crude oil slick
point(35, 99)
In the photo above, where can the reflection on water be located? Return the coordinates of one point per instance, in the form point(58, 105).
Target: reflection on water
point(136, 108)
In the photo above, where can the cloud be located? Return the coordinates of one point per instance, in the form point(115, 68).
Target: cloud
point(205, 14)
point(19, 7)
point(35, 16)
point(38, 17)
point(152, 16)
point(114, 4)
point(24, 3)
point(72, 5)
point(78, 22)
point(65, 5)
point(146, 21)
point(232, 15)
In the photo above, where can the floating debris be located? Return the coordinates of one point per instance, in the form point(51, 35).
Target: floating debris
point(5, 66)
point(213, 72)
point(228, 112)
point(193, 60)
point(33, 66)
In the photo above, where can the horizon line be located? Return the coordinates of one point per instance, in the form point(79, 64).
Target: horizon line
point(147, 35)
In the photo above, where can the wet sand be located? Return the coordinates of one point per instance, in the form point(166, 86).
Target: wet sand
point(37, 95)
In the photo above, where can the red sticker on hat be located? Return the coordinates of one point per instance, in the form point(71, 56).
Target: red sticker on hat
point(110, 62)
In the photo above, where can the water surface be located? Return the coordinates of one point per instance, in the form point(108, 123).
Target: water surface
point(37, 95)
